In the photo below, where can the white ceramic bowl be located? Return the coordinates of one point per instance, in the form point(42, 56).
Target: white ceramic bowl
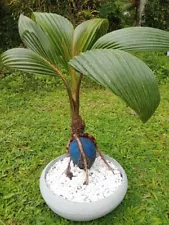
point(78, 211)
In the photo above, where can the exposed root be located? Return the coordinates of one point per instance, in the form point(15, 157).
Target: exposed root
point(68, 146)
point(97, 148)
point(68, 172)
point(104, 160)
point(84, 157)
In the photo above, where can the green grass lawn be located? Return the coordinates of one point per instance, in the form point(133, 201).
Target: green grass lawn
point(34, 129)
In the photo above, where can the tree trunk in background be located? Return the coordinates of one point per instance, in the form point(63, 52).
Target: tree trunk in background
point(140, 10)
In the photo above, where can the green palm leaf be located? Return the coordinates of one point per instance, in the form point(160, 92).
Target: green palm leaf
point(27, 61)
point(135, 38)
point(59, 31)
point(38, 39)
point(35, 39)
point(87, 33)
point(127, 77)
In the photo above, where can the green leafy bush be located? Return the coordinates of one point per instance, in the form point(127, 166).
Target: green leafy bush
point(156, 14)
point(8, 29)
point(158, 62)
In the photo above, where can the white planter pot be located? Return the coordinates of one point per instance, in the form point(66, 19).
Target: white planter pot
point(78, 211)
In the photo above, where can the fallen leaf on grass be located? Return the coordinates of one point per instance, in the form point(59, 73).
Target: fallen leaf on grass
point(146, 196)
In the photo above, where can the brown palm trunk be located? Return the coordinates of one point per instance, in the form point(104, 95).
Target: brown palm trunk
point(77, 125)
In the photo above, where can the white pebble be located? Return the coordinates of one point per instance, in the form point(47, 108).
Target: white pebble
point(102, 181)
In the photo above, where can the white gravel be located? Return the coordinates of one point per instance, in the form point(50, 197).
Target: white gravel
point(102, 181)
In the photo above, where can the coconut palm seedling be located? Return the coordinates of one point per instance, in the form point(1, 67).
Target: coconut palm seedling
point(54, 47)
